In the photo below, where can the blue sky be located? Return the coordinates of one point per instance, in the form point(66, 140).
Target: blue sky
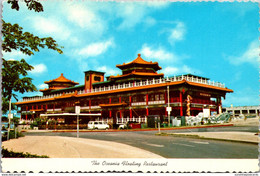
point(211, 39)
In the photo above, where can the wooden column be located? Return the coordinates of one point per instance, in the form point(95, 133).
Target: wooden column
point(147, 112)
point(146, 99)
point(110, 113)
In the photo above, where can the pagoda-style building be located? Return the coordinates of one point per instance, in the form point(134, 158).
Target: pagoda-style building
point(138, 93)
point(59, 83)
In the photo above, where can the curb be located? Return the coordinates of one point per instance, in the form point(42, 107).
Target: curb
point(208, 138)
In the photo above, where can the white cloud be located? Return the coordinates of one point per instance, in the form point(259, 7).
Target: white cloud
point(177, 33)
point(14, 54)
point(42, 86)
point(109, 71)
point(85, 17)
point(95, 49)
point(251, 55)
point(157, 54)
point(133, 13)
point(170, 71)
point(40, 68)
point(50, 26)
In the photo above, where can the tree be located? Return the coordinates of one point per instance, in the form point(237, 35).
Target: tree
point(14, 79)
point(14, 73)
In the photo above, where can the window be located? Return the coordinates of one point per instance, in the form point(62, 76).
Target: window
point(151, 97)
point(97, 78)
point(157, 97)
point(161, 96)
point(87, 78)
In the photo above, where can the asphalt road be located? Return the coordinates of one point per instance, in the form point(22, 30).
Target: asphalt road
point(174, 147)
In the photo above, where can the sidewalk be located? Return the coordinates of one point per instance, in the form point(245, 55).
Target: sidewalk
point(225, 136)
point(69, 147)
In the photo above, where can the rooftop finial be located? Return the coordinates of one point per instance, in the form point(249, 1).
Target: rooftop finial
point(61, 74)
point(139, 54)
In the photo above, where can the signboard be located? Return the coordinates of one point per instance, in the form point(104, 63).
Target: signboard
point(206, 112)
point(169, 109)
point(77, 109)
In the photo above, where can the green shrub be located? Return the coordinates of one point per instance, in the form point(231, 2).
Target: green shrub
point(11, 154)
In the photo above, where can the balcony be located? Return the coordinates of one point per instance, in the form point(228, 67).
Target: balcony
point(130, 85)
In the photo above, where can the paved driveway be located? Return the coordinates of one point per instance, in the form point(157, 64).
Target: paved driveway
point(172, 147)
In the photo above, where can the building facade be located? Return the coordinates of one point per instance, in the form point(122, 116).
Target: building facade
point(246, 111)
point(138, 92)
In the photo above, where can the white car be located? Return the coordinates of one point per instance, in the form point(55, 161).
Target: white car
point(97, 125)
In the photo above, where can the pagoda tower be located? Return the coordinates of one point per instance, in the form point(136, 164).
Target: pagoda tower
point(59, 83)
point(137, 70)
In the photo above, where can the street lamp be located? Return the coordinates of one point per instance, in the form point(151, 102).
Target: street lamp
point(77, 111)
point(169, 109)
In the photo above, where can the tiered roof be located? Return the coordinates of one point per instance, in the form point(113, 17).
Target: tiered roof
point(139, 61)
point(63, 83)
point(61, 79)
point(138, 68)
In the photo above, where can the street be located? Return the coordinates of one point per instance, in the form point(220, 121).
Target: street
point(174, 147)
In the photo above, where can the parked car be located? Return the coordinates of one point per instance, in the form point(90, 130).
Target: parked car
point(122, 126)
point(97, 125)
point(133, 124)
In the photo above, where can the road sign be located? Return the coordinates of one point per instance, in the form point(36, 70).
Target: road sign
point(169, 109)
point(77, 109)
point(10, 116)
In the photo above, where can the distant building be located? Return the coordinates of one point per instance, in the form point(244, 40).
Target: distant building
point(138, 92)
point(243, 110)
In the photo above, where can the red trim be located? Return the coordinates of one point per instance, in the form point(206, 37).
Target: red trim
point(131, 114)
